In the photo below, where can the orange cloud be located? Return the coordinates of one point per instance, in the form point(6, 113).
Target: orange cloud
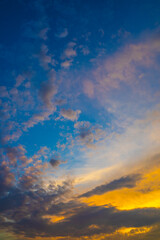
point(145, 194)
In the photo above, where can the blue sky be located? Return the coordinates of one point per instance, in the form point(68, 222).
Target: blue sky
point(79, 95)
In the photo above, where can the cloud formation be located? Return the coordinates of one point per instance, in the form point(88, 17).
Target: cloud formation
point(54, 163)
point(70, 114)
point(62, 34)
point(47, 90)
point(124, 182)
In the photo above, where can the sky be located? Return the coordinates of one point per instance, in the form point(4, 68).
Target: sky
point(80, 119)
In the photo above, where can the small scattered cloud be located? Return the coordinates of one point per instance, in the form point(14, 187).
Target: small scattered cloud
point(44, 57)
point(19, 80)
point(82, 124)
point(62, 34)
point(16, 154)
point(48, 89)
point(68, 55)
point(54, 162)
point(43, 33)
point(70, 114)
point(84, 49)
point(7, 178)
point(39, 118)
point(122, 33)
point(67, 63)
point(70, 52)
point(88, 134)
point(3, 92)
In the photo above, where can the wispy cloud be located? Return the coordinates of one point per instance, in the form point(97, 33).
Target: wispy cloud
point(62, 34)
point(48, 89)
point(124, 182)
point(68, 55)
point(124, 68)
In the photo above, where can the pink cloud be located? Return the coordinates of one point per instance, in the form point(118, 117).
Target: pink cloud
point(88, 88)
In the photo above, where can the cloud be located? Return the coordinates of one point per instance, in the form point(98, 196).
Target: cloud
point(55, 163)
point(28, 181)
point(85, 50)
point(125, 65)
point(131, 195)
point(82, 124)
point(70, 114)
point(16, 154)
point(19, 80)
point(3, 92)
point(124, 76)
point(106, 220)
point(39, 118)
point(48, 89)
point(68, 55)
point(14, 136)
point(123, 182)
point(31, 204)
point(88, 88)
point(7, 179)
point(43, 33)
point(44, 57)
point(88, 134)
point(84, 133)
point(115, 153)
point(66, 63)
point(62, 34)
point(70, 52)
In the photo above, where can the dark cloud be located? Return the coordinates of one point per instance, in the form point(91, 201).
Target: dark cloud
point(27, 202)
point(54, 162)
point(12, 201)
point(123, 182)
point(89, 134)
point(106, 220)
point(33, 202)
point(84, 133)
point(86, 136)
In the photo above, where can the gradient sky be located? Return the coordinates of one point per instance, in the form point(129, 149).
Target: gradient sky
point(80, 119)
